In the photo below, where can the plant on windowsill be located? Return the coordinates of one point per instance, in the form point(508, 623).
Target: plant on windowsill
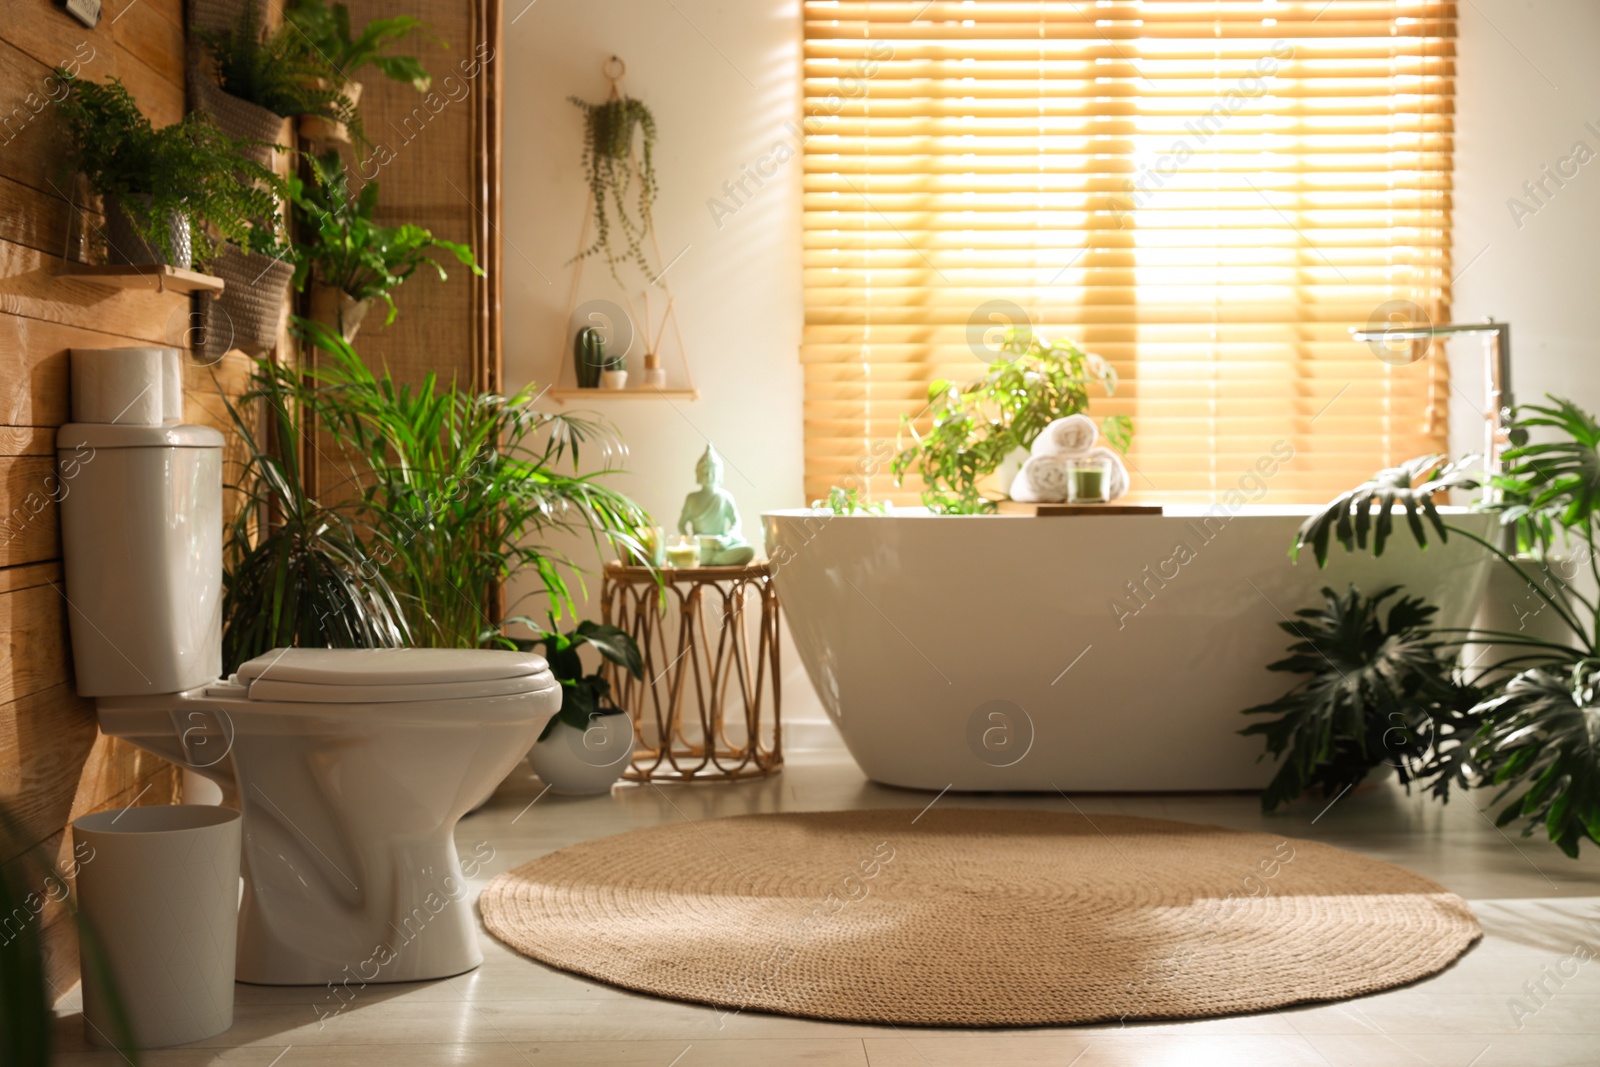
point(263, 77)
point(977, 425)
point(848, 501)
point(160, 187)
point(586, 746)
point(1537, 734)
point(346, 257)
point(326, 30)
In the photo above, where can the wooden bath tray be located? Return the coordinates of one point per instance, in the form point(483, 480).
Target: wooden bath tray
point(1016, 507)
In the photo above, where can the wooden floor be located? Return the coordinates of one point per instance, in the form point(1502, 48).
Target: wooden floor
point(1532, 901)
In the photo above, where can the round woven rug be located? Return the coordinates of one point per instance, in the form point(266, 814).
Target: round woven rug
point(963, 917)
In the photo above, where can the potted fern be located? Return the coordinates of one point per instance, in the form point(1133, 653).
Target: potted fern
point(326, 30)
point(346, 257)
point(160, 187)
point(262, 77)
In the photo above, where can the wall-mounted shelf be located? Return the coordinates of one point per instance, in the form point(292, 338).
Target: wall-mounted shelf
point(565, 395)
point(162, 279)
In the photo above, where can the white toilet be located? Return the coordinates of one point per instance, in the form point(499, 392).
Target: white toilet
point(352, 765)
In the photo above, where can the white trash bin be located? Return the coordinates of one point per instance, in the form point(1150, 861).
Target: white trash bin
point(160, 891)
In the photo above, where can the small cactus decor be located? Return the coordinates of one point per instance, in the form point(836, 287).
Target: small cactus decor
point(589, 357)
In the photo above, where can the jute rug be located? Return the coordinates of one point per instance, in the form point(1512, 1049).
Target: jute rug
point(962, 917)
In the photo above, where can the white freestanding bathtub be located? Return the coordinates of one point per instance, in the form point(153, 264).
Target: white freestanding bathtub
point(1099, 652)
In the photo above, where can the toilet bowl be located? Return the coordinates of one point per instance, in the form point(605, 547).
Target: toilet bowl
point(352, 766)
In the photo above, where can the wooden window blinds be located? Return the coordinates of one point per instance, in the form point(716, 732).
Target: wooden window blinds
point(1208, 194)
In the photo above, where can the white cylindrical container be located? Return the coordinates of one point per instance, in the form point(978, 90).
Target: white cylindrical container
point(125, 386)
point(575, 762)
point(160, 892)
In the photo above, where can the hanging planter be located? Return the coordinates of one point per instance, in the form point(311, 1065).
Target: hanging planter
point(322, 131)
point(250, 311)
point(172, 245)
point(622, 182)
point(338, 310)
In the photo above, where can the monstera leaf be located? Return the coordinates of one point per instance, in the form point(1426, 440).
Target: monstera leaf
point(1368, 509)
point(1561, 476)
point(1543, 737)
point(1374, 692)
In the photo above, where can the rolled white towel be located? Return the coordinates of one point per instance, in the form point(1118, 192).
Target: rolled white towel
point(1119, 471)
point(1071, 436)
point(1042, 480)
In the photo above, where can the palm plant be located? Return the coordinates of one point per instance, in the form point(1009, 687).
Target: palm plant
point(297, 573)
point(462, 490)
point(977, 425)
point(1539, 731)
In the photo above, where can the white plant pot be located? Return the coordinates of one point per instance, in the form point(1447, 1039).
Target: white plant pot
point(614, 379)
point(575, 762)
point(160, 889)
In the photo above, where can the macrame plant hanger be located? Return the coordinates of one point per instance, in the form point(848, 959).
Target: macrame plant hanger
point(614, 69)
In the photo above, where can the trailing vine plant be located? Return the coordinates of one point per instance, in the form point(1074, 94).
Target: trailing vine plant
point(617, 176)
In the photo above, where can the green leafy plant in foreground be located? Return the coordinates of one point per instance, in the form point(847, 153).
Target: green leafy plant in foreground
point(583, 696)
point(1378, 689)
point(1535, 734)
point(344, 247)
point(975, 426)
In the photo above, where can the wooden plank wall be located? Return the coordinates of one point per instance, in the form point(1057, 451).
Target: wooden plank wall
point(54, 764)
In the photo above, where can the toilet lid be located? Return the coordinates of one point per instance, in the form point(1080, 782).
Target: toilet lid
point(391, 675)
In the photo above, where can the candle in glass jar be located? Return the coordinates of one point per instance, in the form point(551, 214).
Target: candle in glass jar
point(1087, 481)
point(683, 554)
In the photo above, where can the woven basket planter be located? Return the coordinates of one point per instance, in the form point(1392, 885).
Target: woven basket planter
point(124, 243)
point(221, 15)
point(237, 118)
point(249, 312)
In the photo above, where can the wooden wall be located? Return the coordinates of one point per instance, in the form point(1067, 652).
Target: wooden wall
point(54, 764)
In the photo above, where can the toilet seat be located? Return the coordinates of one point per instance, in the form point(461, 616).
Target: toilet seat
point(390, 675)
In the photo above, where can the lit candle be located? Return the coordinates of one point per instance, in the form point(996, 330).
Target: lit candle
point(1087, 481)
point(683, 554)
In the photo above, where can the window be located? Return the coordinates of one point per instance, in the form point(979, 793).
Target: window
point(1208, 194)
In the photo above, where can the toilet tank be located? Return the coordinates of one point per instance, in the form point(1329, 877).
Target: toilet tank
point(141, 539)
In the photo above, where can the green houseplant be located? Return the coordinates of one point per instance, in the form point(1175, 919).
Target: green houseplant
point(267, 76)
point(1537, 735)
point(162, 186)
point(1376, 690)
point(977, 425)
point(348, 258)
point(326, 30)
point(616, 174)
point(463, 489)
point(296, 573)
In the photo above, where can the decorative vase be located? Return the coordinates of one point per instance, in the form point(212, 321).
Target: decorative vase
point(325, 131)
point(338, 310)
point(249, 312)
point(575, 762)
point(588, 356)
point(124, 243)
point(614, 379)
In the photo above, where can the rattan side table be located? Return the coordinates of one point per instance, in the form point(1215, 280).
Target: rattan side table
point(708, 707)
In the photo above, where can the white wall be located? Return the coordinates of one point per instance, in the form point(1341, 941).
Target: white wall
point(1527, 85)
point(723, 80)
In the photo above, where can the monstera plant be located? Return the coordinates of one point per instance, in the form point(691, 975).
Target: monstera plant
point(1536, 733)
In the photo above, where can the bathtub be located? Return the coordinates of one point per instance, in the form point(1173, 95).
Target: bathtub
point(1086, 653)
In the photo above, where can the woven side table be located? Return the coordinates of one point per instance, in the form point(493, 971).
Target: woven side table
point(708, 707)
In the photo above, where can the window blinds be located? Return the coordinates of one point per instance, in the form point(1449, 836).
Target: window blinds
point(1208, 194)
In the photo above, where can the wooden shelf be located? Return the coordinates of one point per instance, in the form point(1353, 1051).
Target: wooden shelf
point(565, 395)
point(157, 278)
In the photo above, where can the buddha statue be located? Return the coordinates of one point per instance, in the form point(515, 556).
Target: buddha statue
point(711, 516)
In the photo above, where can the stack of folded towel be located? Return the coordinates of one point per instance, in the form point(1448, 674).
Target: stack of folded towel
point(1043, 478)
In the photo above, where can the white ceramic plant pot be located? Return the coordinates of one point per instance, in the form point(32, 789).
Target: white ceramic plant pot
point(575, 762)
point(160, 890)
point(614, 379)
